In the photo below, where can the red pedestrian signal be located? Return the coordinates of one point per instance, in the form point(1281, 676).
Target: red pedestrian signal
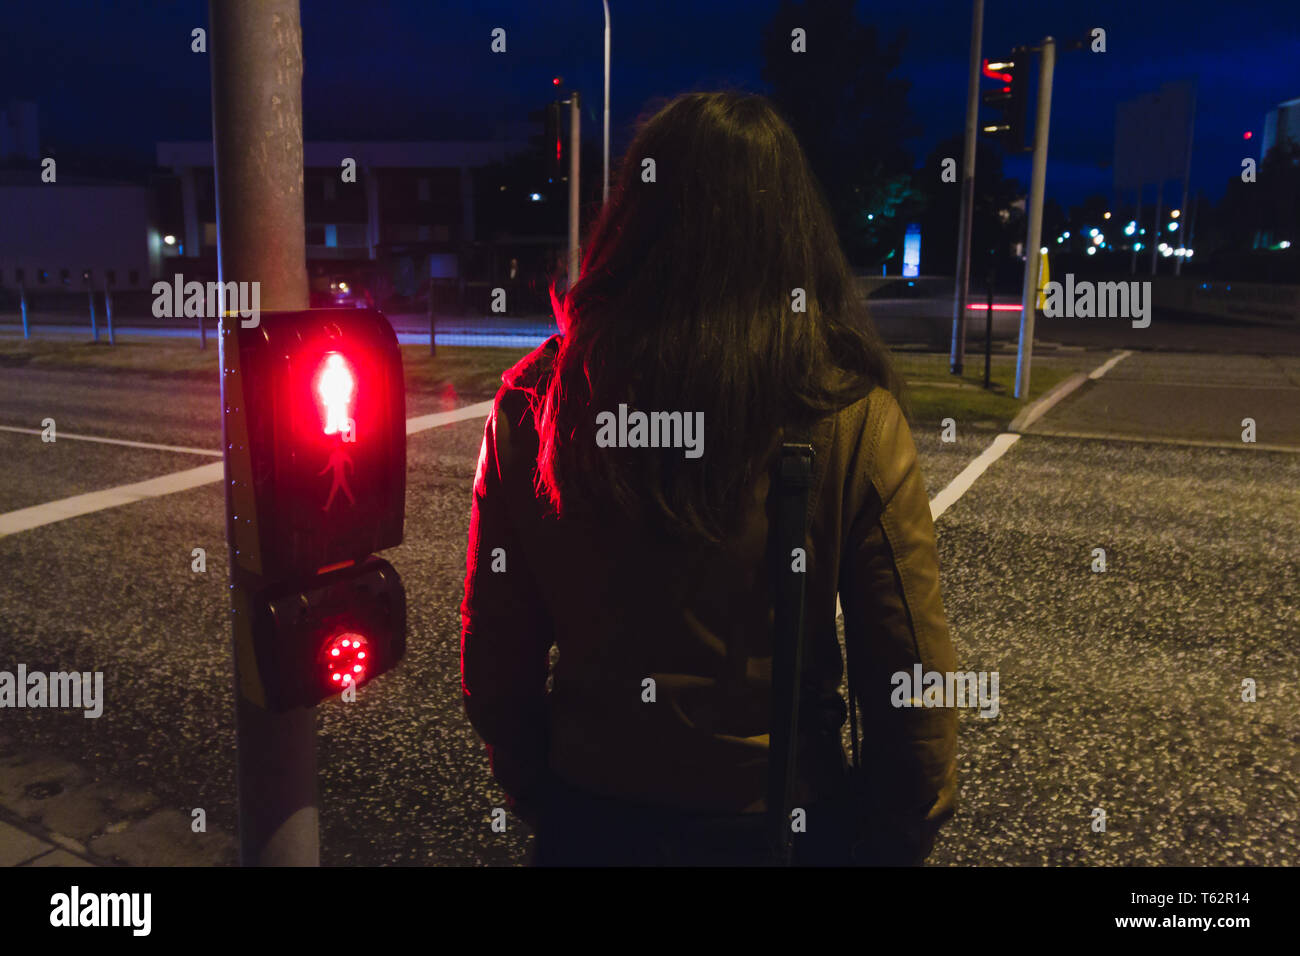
point(315, 444)
point(326, 427)
point(335, 386)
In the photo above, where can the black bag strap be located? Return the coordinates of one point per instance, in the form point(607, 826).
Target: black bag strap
point(789, 495)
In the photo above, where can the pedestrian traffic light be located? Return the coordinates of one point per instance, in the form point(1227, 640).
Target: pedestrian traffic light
point(315, 444)
point(326, 428)
point(1009, 98)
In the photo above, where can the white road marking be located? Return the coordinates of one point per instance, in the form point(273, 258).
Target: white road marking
point(116, 441)
point(961, 484)
point(25, 519)
point(1109, 364)
point(425, 422)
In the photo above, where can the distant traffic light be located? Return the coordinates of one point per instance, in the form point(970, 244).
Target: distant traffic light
point(317, 467)
point(1009, 98)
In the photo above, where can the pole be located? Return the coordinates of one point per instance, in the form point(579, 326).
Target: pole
point(958, 353)
point(1187, 175)
point(988, 330)
point(108, 313)
point(94, 329)
point(1137, 233)
point(433, 322)
point(256, 55)
point(1037, 182)
point(574, 141)
point(1156, 231)
point(22, 305)
point(604, 193)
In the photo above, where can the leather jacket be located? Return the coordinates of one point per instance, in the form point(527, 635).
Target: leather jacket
point(697, 622)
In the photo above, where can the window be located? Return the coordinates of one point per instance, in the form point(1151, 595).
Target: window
point(63, 276)
point(329, 188)
point(86, 275)
point(133, 277)
point(110, 276)
point(43, 276)
point(19, 275)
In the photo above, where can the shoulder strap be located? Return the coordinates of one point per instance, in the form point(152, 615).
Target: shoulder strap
point(789, 496)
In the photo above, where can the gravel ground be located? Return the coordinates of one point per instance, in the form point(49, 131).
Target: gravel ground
point(1119, 690)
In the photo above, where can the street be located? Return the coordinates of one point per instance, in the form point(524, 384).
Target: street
point(1120, 690)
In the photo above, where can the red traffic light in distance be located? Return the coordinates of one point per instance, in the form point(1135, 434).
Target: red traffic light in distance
point(326, 429)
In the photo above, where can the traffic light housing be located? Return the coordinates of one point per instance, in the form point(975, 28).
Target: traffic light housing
point(326, 426)
point(334, 633)
point(1009, 98)
point(314, 416)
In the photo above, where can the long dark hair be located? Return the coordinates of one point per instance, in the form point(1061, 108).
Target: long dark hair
point(686, 303)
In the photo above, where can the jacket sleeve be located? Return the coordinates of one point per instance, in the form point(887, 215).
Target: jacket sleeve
point(506, 631)
point(894, 620)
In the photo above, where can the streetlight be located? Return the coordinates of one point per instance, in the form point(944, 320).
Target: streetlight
point(605, 191)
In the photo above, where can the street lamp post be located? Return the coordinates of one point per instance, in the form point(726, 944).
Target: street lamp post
point(604, 196)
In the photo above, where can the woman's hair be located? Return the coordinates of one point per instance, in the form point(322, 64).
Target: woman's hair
point(689, 301)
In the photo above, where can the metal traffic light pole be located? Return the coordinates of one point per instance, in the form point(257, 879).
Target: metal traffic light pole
point(574, 146)
point(256, 50)
point(1034, 211)
point(957, 356)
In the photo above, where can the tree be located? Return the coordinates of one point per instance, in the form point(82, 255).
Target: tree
point(850, 115)
point(994, 228)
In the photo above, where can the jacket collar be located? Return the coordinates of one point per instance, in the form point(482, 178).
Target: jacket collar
point(530, 371)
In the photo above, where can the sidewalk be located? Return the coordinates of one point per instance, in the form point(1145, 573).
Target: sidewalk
point(54, 813)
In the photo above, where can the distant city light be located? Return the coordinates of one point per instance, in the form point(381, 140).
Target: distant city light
point(1247, 135)
point(1060, 239)
point(1106, 216)
point(1284, 244)
point(1066, 234)
point(1130, 228)
point(871, 215)
point(1043, 251)
point(1093, 232)
point(169, 239)
point(1137, 247)
point(1096, 239)
point(1092, 250)
point(1173, 226)
point(535, 197)
point(1176, 213)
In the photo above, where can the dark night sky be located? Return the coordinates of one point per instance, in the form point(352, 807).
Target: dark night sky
point(119, 76)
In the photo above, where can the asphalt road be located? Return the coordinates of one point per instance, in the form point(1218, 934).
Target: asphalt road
point(1120, 690)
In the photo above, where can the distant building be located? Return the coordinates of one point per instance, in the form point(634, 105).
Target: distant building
point(1281, 123)
point(20, 133)
point(75, 233)
point(409, 211)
